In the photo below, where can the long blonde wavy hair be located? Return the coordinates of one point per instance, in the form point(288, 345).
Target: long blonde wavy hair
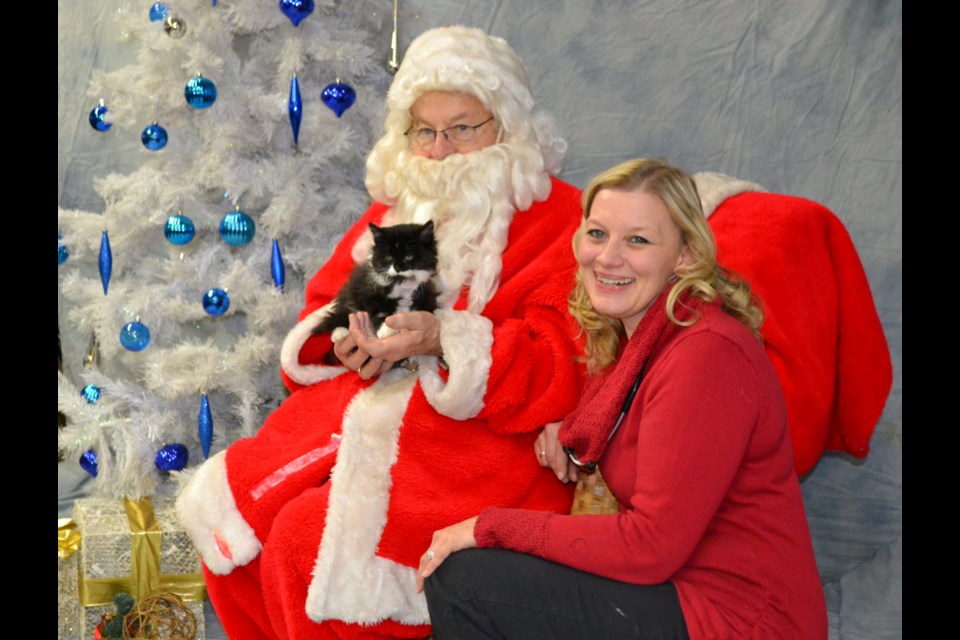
point(703, 277)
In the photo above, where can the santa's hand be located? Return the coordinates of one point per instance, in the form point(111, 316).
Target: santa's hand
point(417, 334)
point(550, 453)
point(355, 358)
point(446, 541)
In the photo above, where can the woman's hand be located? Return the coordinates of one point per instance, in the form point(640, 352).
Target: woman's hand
point(446, 541)
point(550, 453)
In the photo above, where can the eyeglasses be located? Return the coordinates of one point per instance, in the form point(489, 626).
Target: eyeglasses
point(455, 135)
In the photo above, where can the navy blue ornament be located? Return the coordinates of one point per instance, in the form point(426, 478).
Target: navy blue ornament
point(179, 229)
point(295, 109)
point(276, 266)
point(105, 261)
point(200, 92)
point(63, 252)
point(339, 96)
point(205, 426)
point(172, 457)
point(296, 10)
point(216, 302)
point(97, 115)
point(154, 137)
point(158, 11)
point(135, 336)
point(88, 460)
point(91, 393)
point(237, 228)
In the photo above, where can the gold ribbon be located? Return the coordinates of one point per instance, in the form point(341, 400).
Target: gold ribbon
point(68, 538)
point(145, 578)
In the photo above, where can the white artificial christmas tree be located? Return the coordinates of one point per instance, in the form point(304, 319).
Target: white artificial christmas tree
point(236, 154)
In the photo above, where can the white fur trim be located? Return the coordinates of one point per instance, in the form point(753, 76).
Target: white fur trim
point(206, 507)
point(714, 188)
point(305, 374)
point(350, 582)
point(466, 339)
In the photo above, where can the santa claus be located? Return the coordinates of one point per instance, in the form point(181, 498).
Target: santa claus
point(314, 527)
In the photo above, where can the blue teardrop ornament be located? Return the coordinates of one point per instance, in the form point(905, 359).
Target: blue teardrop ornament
point(135, 336)
point(88, 460)
point(237, 228)
point(154, 137)
point(205, 426)
point(295, 108)
point(339, 97)
point(276, 266)
point(172, 457)
point(296, 10)
point(179, 229)
point(200, 92)
point(105, 261)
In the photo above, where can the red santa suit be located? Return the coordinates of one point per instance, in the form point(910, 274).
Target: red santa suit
point(314, 527)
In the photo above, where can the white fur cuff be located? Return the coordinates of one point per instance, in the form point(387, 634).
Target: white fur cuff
point(467, 340)
point(305, 374)
point(714, 188)
point(211, 518)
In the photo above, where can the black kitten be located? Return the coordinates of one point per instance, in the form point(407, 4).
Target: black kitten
point(397, 278)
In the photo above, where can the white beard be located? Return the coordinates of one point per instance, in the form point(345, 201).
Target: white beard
point(469, 198)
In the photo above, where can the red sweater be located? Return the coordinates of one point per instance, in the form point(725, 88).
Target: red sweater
point(704, 465)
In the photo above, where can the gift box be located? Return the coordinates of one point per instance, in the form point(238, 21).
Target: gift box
point(137, 547)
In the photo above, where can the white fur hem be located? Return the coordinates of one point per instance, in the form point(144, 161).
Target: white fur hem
point(350, 582)
point(305, 374)
point(467, 340)
point(714, 188)
point(207, 509)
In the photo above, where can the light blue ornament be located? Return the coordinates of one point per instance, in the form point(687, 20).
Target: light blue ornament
point(154, 137)
point(97, 115)
point(276, 266)
point(172, 457)
point(237, 228)
point(135, 336)
point(295, 109)
point(296, 10)
point(216, 302)
point(158, 11)
point(205, 426)
point(339, 97)
point(63, 252)
point(91, 393)
point(105, 261)
point(179, 229)
point(88, 460)
point(200, 92)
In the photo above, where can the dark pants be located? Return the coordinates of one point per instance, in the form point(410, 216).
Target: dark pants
point(492, 593)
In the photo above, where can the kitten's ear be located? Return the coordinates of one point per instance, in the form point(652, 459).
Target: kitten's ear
point(427, 232)
point(377, 231)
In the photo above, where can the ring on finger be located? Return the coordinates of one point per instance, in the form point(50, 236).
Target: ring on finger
point(430, 554)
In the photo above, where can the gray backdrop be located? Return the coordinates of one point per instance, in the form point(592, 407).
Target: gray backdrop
point(803, 97)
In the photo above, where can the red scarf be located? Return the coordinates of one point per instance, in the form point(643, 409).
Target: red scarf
point(586, 430)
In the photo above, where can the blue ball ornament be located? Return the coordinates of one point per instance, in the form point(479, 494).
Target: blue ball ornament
point(88, 460)
point(63, 252)
point(296, 10)
point(200, 92)
point(339, 97)
point(154, 137)
point(158, 11)
point(179, 229)
point(237, 228)
point(216, 302)
point(172, 457)
point(97, 118)
point(91, 393)
point(135, 336)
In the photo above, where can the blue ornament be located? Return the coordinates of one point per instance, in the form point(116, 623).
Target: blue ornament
point(105, 261)
point(88, 460)
point(158, 11)
point(295, 109)
point(135, 336)
point(154, 137)
point(205, 426)
point(296, 10)
point(216, 302)
point(237, 228)
point(63, 252)
point(200, 92)
point(179, 229)
point(97, 115)
point(276, 266)
point(339, 97)
point(91, 393)
point(172, 457)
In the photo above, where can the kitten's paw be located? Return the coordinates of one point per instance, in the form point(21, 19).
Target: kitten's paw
point(385, 332)
point(339, 334)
